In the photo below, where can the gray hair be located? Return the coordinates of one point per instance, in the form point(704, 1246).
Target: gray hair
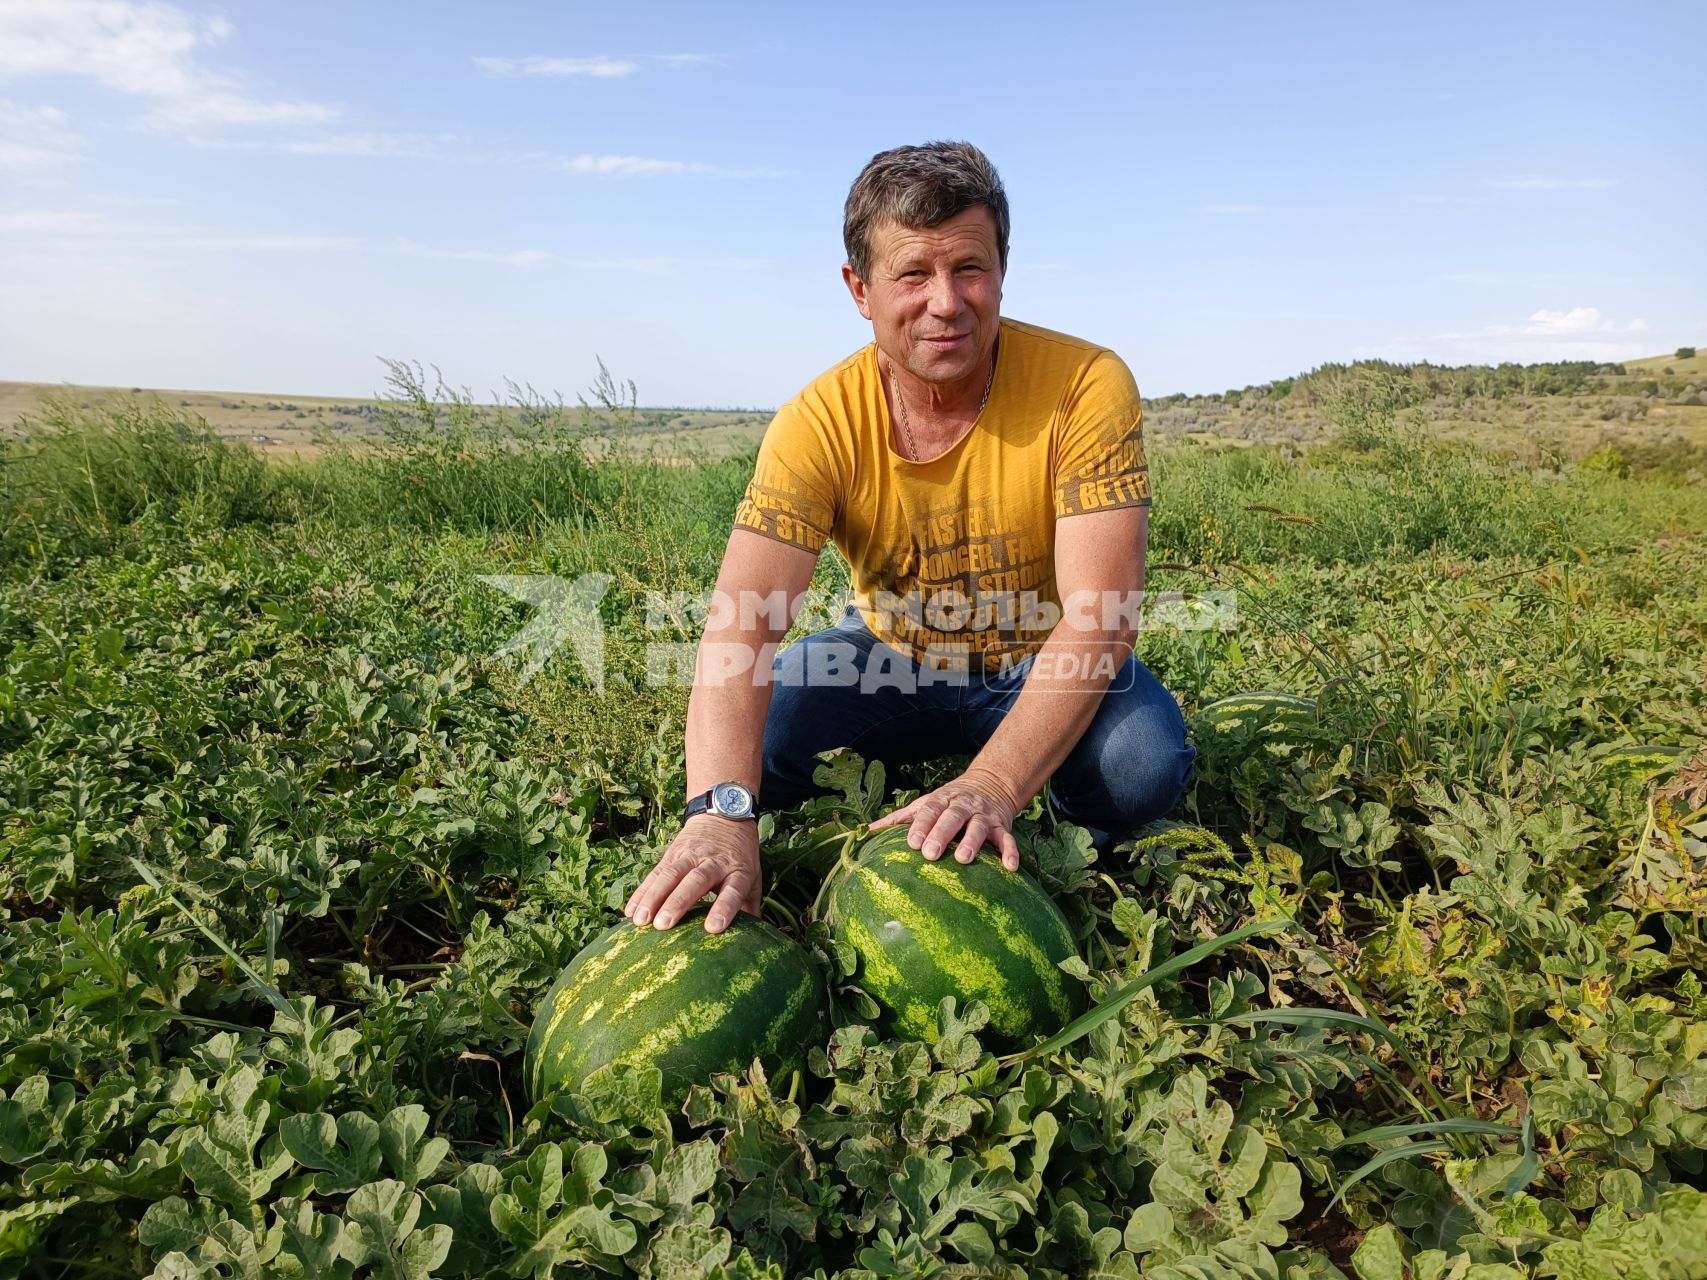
point(921, 187)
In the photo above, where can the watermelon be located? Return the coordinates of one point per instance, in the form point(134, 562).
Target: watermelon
point(1640, 763)
point(686, 1001)
point(923, 930)
point(1259, 709)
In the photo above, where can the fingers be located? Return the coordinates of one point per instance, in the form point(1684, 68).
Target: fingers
point(940, 816)
point(938, 831)
point(737, 894)
point(902, 814)
point(643, 903)
point(699, 881)
point(976, 829)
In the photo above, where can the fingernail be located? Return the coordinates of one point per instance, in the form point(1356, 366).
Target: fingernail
point(664, 922)
point(932, 848)
point(642, 916)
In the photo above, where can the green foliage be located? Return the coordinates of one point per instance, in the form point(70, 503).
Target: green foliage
point(1409, 986)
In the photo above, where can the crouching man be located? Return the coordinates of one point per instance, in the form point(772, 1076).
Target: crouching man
point(986, 481)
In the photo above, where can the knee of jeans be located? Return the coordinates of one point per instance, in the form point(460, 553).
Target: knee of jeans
point(781, 757)
point(1134, 781)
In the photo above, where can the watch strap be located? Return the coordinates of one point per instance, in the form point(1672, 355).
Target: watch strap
point(702, 804)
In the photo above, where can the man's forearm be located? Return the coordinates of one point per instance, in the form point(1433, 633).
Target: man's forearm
point(725, 734)
point(1053, 710)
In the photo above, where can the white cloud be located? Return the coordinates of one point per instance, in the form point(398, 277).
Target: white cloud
point(35, 139)
point(689, 59)
point(1535, 182)
point(53, 222)
point(598, 68)
point(1576, 320)
point(601, 68)
point(214, 243)
point(1466, 349)
point(1450, 198)
point(85, 233)
point(647, 265)
point(514, 258)
point(148, 51)
point(336, 144)
point(1581, 333)
point(644, 166)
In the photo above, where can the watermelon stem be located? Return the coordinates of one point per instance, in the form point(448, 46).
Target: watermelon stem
point(845, 863)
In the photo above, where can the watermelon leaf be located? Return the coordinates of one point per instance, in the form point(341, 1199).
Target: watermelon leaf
point(345, 1151)
point(380, 1227)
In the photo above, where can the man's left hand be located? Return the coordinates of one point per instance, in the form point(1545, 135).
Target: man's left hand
point(975, 803)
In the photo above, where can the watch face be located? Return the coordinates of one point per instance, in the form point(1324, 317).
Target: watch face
point(731, 799)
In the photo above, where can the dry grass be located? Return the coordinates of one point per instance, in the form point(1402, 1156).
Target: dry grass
point(295, 426)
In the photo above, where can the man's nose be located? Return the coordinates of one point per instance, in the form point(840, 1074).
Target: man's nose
point(945, 299)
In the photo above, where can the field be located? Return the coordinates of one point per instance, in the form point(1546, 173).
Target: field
point(290, 848)
point(295, 426)
point(1653, 412)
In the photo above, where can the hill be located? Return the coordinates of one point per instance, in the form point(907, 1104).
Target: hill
point(1653, 411)
point(280, 425)
point(1694, 366)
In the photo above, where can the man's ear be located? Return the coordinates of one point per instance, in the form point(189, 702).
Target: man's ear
point(856, 287)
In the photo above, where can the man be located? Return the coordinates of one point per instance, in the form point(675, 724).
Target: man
point(978, 474)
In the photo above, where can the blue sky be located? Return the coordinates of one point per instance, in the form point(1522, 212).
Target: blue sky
point(270, 197)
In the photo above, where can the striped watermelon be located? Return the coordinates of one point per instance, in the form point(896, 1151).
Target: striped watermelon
point(1257, 710)
point(1640, 763)
point(924, 930)
point(684, 1000)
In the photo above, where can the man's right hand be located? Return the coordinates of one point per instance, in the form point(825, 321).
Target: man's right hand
point(709, 853)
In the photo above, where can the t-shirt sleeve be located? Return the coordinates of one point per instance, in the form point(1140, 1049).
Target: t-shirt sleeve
point(793, 496)
point(1099, 459)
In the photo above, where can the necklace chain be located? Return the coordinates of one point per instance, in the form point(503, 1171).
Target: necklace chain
point(907, 422)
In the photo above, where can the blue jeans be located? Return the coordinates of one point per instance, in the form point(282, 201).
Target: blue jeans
point(1131, 765)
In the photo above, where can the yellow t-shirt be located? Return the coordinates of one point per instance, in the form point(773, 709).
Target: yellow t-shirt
point(950, 557)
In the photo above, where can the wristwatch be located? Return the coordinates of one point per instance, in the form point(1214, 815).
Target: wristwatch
point(726, 800)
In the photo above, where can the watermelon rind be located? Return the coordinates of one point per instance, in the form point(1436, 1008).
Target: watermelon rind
point(689, 1002)
point(1261, 707)
point(923, 930)
point(1640, 763)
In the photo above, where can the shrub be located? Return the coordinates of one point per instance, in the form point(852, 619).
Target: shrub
point(1686, 353)
point(1609, 458)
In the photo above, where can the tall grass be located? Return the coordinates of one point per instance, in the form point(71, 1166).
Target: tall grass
point(1385, 488)
point(76, 477)
point(80, 476)
point(572, 484)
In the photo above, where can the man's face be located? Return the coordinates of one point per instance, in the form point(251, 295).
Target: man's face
point(934, 296)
